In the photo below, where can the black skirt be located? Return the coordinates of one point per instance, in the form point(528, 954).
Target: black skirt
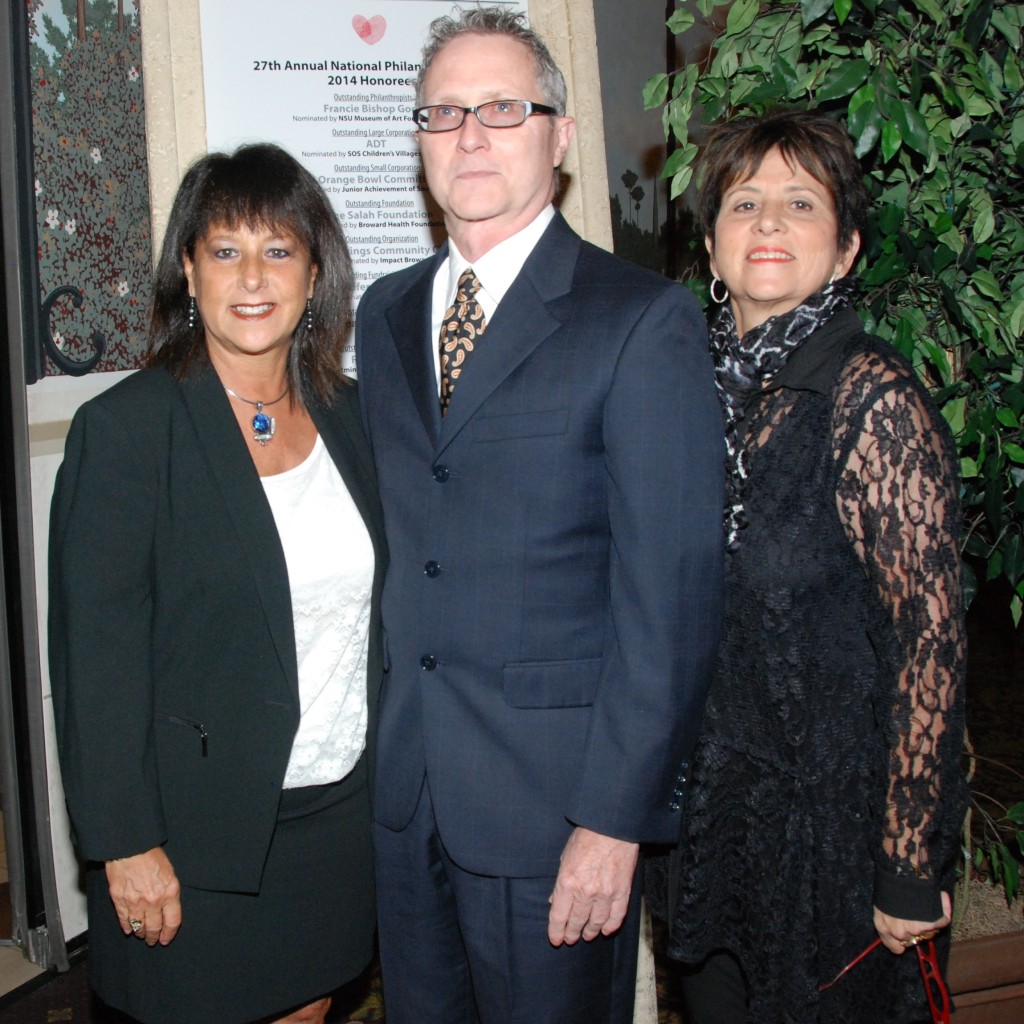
point(240, 957)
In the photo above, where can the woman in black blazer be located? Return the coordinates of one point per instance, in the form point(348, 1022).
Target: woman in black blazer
point(216, 554)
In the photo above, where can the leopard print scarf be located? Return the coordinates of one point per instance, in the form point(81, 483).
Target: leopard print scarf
point(743, 366)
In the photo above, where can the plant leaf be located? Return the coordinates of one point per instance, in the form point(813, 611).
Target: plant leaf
point(843, 80)
point(986, 283)
point(913, 128)
point(984, 224)
point(812, 10)
point(1013, 559)
point(1012, 32)
point(953, 413)
point(932, 9)
point(680, 21)
point(678, 159)
point(1011, 875)
point(864, 119)
point(1014, 452)
point(680, 181)
point(741, 16)
point(655, 91)
point(892, 139)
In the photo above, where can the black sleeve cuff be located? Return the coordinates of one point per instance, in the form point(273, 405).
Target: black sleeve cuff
point(913, 899)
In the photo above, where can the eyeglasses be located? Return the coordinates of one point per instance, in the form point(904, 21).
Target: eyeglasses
point(446, 117)
point(934, 984)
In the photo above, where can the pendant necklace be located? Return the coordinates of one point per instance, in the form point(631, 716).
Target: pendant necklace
point(263, 425)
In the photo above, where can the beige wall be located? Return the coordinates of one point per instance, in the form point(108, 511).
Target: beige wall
point(175, 109)
point(568, 28)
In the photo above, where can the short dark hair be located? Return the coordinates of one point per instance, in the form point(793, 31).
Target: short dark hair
point(257, 186)
point(734, 151)
point(496, 21)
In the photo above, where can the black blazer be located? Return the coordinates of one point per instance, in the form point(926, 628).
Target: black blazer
point(552, 604)
point(172, 651)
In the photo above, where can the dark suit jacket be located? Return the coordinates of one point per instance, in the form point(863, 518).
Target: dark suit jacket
point(172, 650)
point(552, 606)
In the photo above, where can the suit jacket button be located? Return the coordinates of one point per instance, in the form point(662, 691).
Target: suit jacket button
point(440, 473)
point(428, 663)
point(432, 569)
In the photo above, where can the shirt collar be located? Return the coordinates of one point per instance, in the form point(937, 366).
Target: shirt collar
point(812, 366)
point(500, 266)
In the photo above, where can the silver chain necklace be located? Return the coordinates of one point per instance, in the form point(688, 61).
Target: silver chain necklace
point(263, 425)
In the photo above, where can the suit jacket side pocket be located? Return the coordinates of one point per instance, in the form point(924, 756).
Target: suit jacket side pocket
point(552, 684)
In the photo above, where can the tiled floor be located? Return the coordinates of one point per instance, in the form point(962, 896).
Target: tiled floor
point(15, 969)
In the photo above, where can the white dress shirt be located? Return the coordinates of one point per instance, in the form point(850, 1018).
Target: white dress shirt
point(495, 270)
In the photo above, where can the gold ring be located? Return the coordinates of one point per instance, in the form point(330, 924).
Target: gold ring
point(135, 924)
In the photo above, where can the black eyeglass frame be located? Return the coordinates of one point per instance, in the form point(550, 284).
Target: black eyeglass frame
point(531, 109)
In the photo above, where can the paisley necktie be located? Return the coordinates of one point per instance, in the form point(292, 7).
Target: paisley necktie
point(463, 323)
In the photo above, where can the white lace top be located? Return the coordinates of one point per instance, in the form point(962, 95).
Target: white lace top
point(330, 573)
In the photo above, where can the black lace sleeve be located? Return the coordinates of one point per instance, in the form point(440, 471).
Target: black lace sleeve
point(898, 500)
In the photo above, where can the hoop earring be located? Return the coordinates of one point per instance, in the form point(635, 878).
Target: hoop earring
point(308, 318)
point(725, 288)
point(193, 313)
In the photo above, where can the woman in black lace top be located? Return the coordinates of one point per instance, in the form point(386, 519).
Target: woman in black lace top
point(826, 791)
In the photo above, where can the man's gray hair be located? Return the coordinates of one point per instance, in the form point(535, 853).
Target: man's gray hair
point(496, 21)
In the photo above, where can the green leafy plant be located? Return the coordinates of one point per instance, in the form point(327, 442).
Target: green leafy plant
point(997, 852)
point(931, 92)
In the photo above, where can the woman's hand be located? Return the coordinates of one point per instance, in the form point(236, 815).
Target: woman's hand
point(898, 934)
point(146, 895)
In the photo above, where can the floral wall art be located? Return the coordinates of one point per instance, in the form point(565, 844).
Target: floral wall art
point(91, 183)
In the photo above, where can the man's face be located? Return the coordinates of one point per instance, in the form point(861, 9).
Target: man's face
point(490, 182)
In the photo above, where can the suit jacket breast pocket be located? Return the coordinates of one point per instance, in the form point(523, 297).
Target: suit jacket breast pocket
point(507, 426)
point(552, 684)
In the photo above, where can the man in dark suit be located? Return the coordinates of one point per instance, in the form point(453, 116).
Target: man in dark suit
point(551, 478)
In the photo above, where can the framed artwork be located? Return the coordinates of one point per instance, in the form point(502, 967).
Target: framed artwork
point(90, 184)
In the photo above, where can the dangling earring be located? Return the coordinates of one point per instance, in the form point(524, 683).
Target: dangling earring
point(193, 313)
point(309, 315)
point(716, 280)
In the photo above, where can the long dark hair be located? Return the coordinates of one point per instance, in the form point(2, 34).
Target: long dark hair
point(256, 186)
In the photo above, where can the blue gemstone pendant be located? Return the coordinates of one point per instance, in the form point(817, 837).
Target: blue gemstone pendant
point(262, 425)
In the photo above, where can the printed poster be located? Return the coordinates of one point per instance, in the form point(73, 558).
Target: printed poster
point(333, 82)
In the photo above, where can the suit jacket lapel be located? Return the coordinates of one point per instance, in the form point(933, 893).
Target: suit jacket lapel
point(248, 509)
point(409, 320)
point(522, 321)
